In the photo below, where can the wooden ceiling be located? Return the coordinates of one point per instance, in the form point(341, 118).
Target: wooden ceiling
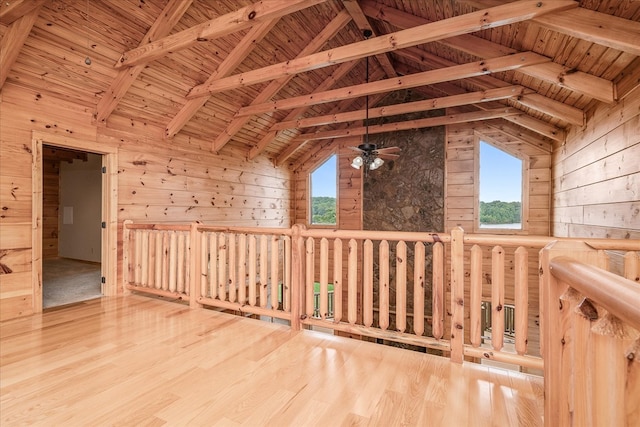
point(274, 77)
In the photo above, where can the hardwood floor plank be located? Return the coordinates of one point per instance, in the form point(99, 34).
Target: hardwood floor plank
point(150, 362)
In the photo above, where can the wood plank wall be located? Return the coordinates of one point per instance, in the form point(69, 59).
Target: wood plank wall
point(596, 183)
point(178, 181)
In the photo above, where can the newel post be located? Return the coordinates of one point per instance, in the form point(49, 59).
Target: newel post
point(457, 295)
point(297, 274)
point(557, 333)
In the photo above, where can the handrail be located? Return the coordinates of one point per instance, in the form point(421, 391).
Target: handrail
point(620, 296)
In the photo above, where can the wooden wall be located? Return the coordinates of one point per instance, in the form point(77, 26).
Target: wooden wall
point(596, 182)
point(175, 181)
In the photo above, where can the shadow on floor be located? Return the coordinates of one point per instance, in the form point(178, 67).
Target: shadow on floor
point(65, 281)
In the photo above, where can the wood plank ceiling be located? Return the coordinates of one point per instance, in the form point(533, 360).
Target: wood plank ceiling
point(274, 77)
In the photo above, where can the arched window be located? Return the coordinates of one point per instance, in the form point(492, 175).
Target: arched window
point(323, 191)
point(500, 189)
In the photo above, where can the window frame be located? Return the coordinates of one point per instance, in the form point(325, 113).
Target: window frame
point(312, 169)
point(476, 188)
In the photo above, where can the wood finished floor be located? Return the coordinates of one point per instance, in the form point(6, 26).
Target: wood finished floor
point(137, 361)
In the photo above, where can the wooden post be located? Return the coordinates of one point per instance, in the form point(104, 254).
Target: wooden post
point(310, 272)
point(457, 295)
point(324, 278)
point(555, 331)
point(297, 275)
point(632, 392)
point(383, 286)
point(521, 299)
point(367, 279)
point(242, 269)
point(275, 264)
point(352, 282)
point(233, 267)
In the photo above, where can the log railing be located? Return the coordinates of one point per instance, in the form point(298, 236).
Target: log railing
point(420, 289)
point(590, 343)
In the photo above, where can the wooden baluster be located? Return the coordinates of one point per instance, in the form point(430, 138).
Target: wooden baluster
point(297, 276)
point(173, 261)
point(497, 297)
point(242, 269)
point(191, 265)
point(457, 295)
point(337, 280)
point(222, 266)
point(144, 264)
point(159, 259)
point(166, 252)
point(288, 272)
point(383, 288)
point(194, 272)
point(213, 265)
point(204, 264)
point(521, 276)
point(367, 283)
point(437, 290)
point(152, 259)
point(310, 272)
point(137, 250)
point(253, 261)
point(401, 286)
point(233, 277)
point(181, 263)
point(352, 283)
point(475, 298)
point(126, 255)
point(264, 270)
point(324, 278)
point(418, 288)
point(275, 265)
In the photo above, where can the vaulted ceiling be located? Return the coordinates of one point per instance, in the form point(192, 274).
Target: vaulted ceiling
point(274, 77)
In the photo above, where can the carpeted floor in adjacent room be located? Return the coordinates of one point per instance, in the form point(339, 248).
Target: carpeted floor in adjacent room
point(66, 281)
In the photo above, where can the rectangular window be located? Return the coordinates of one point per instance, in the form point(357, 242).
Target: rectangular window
point(323, 191)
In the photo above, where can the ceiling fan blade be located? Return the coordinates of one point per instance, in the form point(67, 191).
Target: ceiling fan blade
point(355, 149)
point(389, 150)
point(388, 156)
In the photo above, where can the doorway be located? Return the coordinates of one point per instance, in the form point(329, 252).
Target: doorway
point(60, 229)
point(71, 222)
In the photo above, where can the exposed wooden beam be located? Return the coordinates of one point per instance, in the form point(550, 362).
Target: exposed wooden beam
point(296, 144)
point(462, 71)
point(629, 79)
point(405, 108)
point(475, 21)
point(596, 27)
point(360, 19)
point(338, 73)
point(520, 134)
point(275, 86)
point(537, 102)
point(13, 40)
point(235, 21)
point(578, 81)
point(410, 124)
point(235, 57)
point(540, 127)
point(12, 10)
point(125, 77)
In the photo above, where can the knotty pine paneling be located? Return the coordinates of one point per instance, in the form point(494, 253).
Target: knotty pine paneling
point(176, 181)
point(597, 174)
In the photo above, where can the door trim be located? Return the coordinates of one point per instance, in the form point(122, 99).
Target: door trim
point(109, 245)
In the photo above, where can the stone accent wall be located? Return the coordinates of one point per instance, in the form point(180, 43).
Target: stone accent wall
point(407, 193)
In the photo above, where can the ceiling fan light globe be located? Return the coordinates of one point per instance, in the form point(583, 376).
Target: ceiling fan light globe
point(357, 163)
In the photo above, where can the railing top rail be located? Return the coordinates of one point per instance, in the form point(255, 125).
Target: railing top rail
point(620, 296)
point(244, 230)
point(155, 226)
point(542, 241)
point(406, 236)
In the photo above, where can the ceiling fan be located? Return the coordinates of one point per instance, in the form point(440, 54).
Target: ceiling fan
point(371, 157)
